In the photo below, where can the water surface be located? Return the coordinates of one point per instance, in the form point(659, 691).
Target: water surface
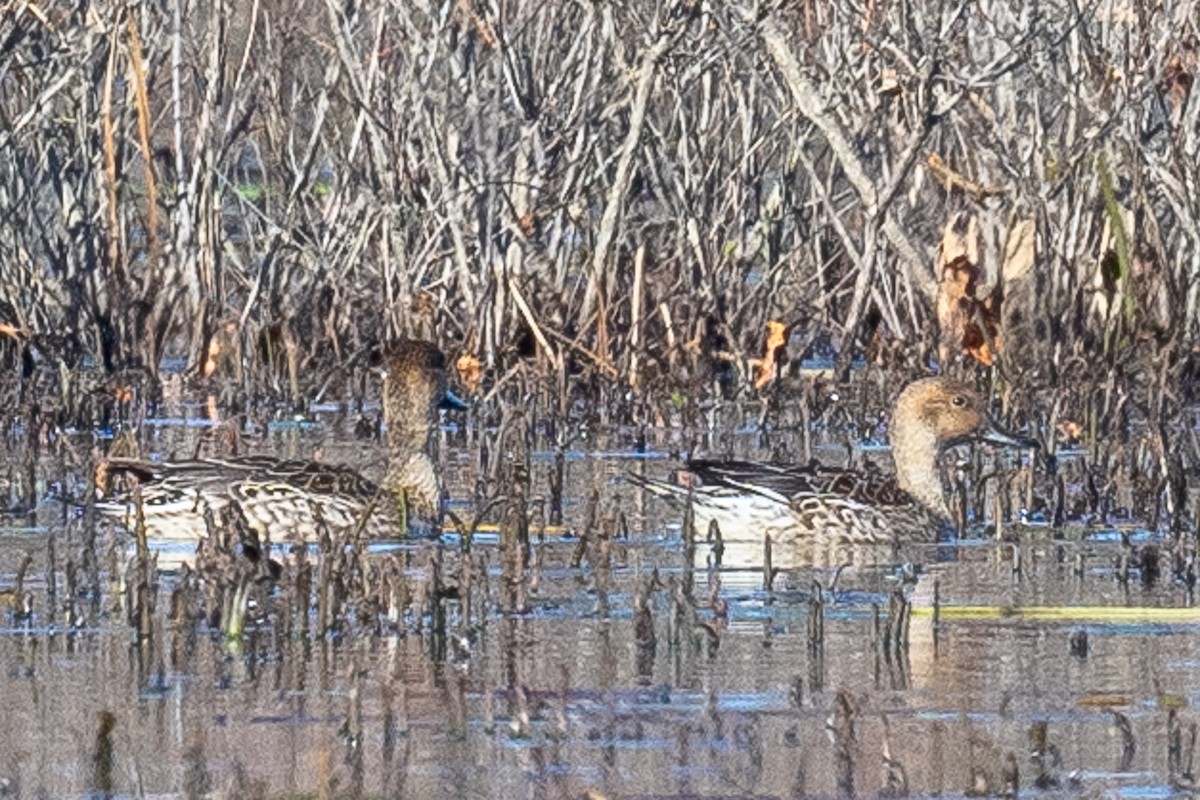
point(731, 696)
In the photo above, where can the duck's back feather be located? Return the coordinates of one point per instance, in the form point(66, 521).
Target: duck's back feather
point(313, 477)
point(797, 482)
point(276, 496)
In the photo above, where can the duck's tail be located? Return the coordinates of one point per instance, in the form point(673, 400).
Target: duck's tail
point(141, 470)
point(111, 489)
point(671, 491)
point(728, 490)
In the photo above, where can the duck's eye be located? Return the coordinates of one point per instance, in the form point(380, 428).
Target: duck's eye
point(959, 400)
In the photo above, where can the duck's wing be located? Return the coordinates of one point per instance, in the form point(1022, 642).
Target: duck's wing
point(216, 475)
point(795, 482)
point(270, 492)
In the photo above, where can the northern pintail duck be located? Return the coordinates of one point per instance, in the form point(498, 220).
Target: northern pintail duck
point(288, 499)
point(799, 503)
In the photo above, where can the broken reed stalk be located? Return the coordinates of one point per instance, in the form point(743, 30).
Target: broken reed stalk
point(718, 543)
point(689, 519)
point(233, 615)
point(514, 546)
point(899, 619)
point(143, 117)
point(145, 572)
point(588, 531)
point(115, 267)
point(72, 591)
point(635, 326)
point(937, 606)
point(434, 594)
point(104, 755)
point(816, 618)
point(326, 599)
point(768, 570)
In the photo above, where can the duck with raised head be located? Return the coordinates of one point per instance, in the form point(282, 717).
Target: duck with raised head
point(289, 499)
point(811, 503)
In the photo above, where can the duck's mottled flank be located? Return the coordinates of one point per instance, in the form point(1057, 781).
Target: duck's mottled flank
point(285, 499)
point(818, 504)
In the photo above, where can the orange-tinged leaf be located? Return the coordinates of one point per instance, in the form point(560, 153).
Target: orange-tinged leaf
point(210, 363)
point(470, 371)
point(765, 368)
point(1070, 429)
point(482, 29)
point(776, 335)
point(101, 476)
point(977, 345)
point(13, 331)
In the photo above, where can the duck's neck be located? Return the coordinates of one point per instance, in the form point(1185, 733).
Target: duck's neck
point(405, 441)
point(411, 471)
point(915, 450)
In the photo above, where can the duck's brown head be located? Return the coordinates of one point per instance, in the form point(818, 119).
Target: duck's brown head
point(415, 385)
point(949, 412)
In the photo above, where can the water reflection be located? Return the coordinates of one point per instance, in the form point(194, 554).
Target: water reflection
point(632, 667)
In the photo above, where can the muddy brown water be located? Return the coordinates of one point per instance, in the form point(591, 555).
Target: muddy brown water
point(567, 699)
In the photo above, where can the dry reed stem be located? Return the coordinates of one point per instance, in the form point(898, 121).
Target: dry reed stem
point(143, 112)
point(614, 203)
point(656, 190)
point(110, 162)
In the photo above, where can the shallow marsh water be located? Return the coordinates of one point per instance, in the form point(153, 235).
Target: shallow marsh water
point(732, 699)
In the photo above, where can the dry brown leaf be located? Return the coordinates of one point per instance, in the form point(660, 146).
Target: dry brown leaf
point(210, 363)
point(222, 350)
point(765, 368)
point(976, 344)
point(956, 296)
point(101, 476)
point(960, 239)
point(965, 321)
point(1019, 251)
point(528, 223)
point(470, 371)
point(1178, 79)
point(1070, 429)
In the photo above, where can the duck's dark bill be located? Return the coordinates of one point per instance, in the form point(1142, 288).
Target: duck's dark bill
point(451, 402)
point(997, 435)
